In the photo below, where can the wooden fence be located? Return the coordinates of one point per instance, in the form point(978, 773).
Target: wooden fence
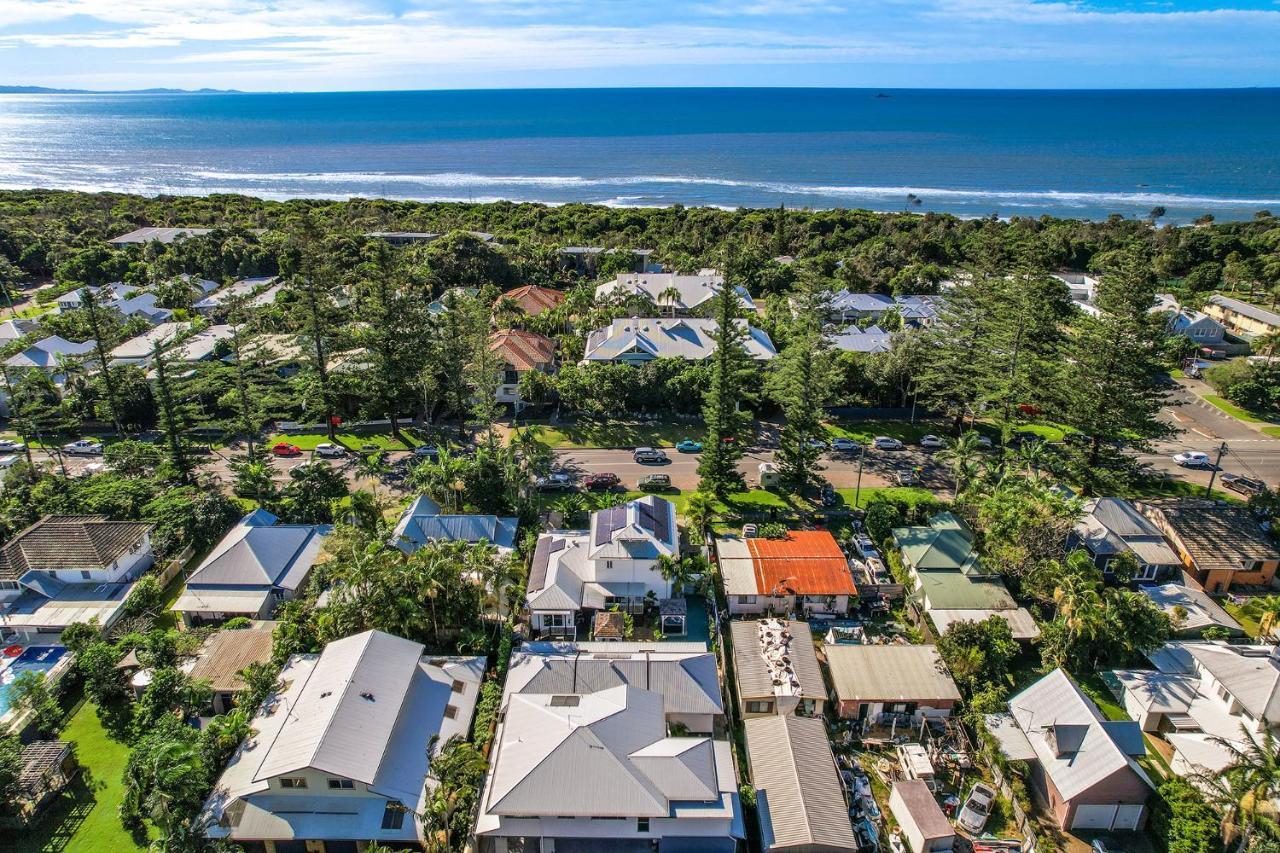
point(175, 566)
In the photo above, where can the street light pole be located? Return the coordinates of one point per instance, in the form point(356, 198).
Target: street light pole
point(857, 491)
point(1222, 450)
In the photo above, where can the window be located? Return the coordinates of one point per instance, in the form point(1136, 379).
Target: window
point(293, 782)
point(341, 785)
point(642, 824)
point(746, 599)
point(450, 712)
point(393, 816)
point(457, 686)
point(759, 707)
point(1145, 573)
point(608, 564)
point(554, 620)
point(85, 574)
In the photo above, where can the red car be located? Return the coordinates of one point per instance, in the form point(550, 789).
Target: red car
point(285, 449)
point(600, 481)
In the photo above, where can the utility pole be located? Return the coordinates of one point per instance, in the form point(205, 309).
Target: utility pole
point(1217, 463)
point(857, 491)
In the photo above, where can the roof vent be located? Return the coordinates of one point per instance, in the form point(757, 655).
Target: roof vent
point(367, 696)
point(565, 701)
point(326, 694)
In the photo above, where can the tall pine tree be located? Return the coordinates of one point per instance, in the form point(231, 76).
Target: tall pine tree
point(802, 381)
point(732, 375)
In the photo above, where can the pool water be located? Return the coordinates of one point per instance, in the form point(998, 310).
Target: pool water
point(32, 659)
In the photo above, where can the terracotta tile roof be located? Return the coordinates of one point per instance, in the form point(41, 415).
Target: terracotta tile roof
point(522, 350)
point(70, 542)
point(533, 300)
point(807, 562)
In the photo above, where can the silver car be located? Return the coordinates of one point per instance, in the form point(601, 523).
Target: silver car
point(977, 808)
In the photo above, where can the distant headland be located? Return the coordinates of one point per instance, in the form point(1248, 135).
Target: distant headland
point(45, 90)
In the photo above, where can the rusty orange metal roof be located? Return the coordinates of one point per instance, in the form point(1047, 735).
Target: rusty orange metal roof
point(533, 300)
point(807, 562)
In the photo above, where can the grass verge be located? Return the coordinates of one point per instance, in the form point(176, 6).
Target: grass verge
point(615, 434)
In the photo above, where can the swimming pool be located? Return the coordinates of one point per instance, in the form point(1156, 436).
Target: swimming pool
point(32, 659)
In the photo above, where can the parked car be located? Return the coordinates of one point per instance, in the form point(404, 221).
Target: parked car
point(817, 444)
point(689, 446)
point(283, 448)
point(649, 456)
point(976, 809)
point(330, 451)
point(426, 451)
point(845, 445)
point(8, 445)
point(1243, 485)
point(655, 482)
point(906, 478)
point(1105, 845)
point(1193, 459)
point(301, 468)
point(603, 480)
point(83, 447)
point(865, 547)
point(932, 442)
point(367, 448)
point(556, 481)
point(884, 442)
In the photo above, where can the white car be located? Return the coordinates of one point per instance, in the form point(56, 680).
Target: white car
point(83, 447)
point(330, 451)
point(8, 445)
point(426, 451)
point(1193, 459)
point(976, 809)
point(884, 442)
point(866, 548)
point(817, 444)
point(846, 445)
point(932, 442)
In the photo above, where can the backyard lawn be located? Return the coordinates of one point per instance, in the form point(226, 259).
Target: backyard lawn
point(85, 818)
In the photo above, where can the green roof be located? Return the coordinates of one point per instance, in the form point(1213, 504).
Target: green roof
point(945, 543)
point(957, 591)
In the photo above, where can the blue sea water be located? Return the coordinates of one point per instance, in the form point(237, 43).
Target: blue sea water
point(974, 153)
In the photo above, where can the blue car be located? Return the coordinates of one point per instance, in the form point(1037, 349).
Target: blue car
point(689, 446)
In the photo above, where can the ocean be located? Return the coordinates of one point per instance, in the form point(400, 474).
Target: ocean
point(972, 153)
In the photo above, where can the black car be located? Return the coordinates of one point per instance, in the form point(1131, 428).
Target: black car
point(1244, 485)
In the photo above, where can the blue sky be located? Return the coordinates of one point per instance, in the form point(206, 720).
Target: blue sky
point(323, 45)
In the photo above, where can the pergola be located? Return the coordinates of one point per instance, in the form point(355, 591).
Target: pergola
point(673, 614)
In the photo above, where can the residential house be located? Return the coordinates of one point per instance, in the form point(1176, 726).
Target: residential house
point(202, 286)
point(949, 581)
point(605, 770)
point(224, 656)
point(1241, 318)
point(615, 563)
point(1083, 768)
point(73, 299)
point(637, 340)
point(403, 238)
point(51, 354)
point(520, 352)
point(202, 345)
point(532, 300)
point(586, 259)
point(139, 350)
point(256, 566)
point(776, 668)
point(1199, 327)
point(871, 681)
point(1083, 289)
point(1203, 696)
point(341, 755)
point(800, 801)
point(70, 568)
point(439, 306)
point(806, 572)
point(1113, 526)
point(1220, 545)
point(245, 288)
point(12, 330)
point(423, 521)
point(685, 674)
point(144, 305)
point(156, 235)
point(678, 295)
point(915, 311)
point(1190, 610)
point(869, 340)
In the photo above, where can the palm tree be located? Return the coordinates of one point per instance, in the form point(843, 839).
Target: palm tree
point(373, 466)
point(254, 478)
point(1247, 788)
point(1266, 609)
point(1267, 344)
point(440, 479)
point(670, 299)
point(1034, 456)
point(506, 313)
point(699, 511)
point(962, 455)
point(1080, 606)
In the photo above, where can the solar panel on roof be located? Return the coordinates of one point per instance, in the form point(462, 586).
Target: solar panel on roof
point(662, 520)
point(608, 521)
point(546, 546)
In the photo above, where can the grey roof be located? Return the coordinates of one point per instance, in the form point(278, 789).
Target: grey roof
point(1252, 311)
point(866, 303)
point(641, 529)
point(1250, 673)
point(660, 337)
point(922, 809)
point(694, 290)
point(687, 681)
point(853, 339)
point(752, 672)
point(44, 353)
point(11, 330)
point(255, 555)
point(1201, 610)
point(889, 673)
point(1090, 755)
point(1113, 525)
point(162, 235)
point(798, 791)
point(423, 522)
